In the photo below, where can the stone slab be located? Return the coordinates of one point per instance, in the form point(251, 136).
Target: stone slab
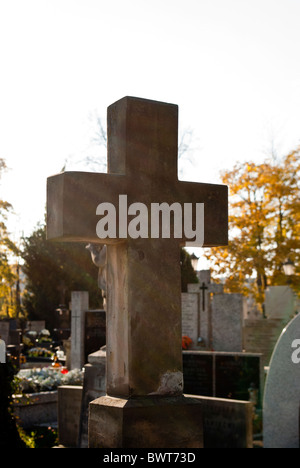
point(198, 377)
point(221, 374)
point(227, 322)
point(146, 422)
point(4, 332)
point(35, 408)
point(80, 304)
point(36, 325)
point(280, 302)
point(226, 423)
point(190, 312)
point(69, 406)
point(94, 386)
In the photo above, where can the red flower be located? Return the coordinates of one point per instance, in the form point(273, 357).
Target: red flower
point(186, 341)
point(64, 371)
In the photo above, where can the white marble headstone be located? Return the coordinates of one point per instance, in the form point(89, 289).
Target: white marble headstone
point(282, 391)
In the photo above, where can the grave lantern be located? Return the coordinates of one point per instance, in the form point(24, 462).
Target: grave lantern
point(288, 267)
point(194, 261)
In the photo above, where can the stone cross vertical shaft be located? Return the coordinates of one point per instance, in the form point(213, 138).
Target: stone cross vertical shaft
point(144, 355)
point(203, 289)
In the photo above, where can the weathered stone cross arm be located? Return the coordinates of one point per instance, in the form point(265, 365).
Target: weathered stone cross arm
point(74, 196)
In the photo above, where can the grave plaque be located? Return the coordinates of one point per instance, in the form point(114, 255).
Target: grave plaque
point(234, 375)
point(227, 423)
point(190, 316)
point(198, 374)
point(222, 375)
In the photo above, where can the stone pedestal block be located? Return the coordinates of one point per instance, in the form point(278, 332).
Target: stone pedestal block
point(145, 422)
point(93, 387)
point(69, 405)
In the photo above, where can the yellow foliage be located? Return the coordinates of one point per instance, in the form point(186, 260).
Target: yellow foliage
point(264, 222)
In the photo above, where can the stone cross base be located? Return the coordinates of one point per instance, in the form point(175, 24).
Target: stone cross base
point(145, 422)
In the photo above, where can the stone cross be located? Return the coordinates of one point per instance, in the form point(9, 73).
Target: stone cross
point(203, 288)
point(144, 355)
point(204, 325)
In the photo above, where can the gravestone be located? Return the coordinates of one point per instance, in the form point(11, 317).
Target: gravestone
point(2, 351)
point(227, 423)
point(198, 373)
point(68, 414)
point(35, 325)
point(62, 325)
point(221, 374)
point(281, 396)
point(252, 311)
point(190, 317)
point(80, 304)
point(94, 386)
point(235, 373)
point(204, 315)
point(14, 332)
point(197, 312)
point(280, 303)
point(212, 319)
point(261, 336)
point(227, 322)
point(144, 359)
point(4, 331)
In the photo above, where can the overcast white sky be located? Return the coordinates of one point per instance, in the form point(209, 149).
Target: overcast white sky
point(232, 66)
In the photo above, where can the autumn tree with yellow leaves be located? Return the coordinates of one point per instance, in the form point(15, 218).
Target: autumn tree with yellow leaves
point(8, 301)
point(264, 226)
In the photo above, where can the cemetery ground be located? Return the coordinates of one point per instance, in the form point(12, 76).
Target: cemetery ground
point(236, 369)
point(53, 393)
point(65, 393)
point(226, 369)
